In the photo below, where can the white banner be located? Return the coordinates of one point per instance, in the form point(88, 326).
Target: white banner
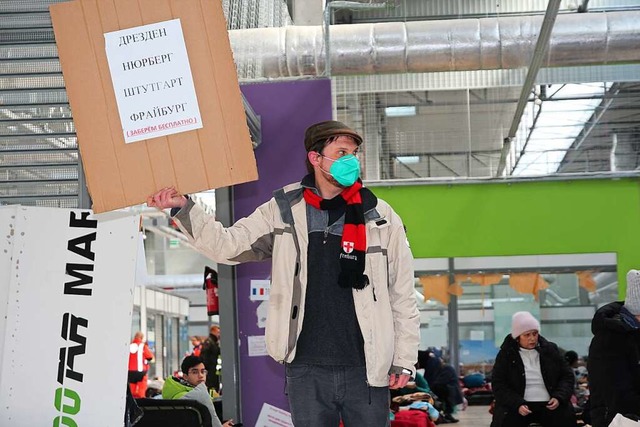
point(66, 335)
point(152, 80)
point(7, 230)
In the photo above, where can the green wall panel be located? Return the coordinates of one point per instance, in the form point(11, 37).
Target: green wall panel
point(522, 218)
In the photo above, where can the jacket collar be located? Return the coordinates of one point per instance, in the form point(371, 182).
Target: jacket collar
point(511, 343)
point(628, 318)
point(610, 318)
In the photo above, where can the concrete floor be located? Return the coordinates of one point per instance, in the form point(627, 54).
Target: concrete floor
point(473, 416)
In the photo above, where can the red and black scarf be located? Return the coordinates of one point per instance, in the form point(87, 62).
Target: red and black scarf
point(354, 236)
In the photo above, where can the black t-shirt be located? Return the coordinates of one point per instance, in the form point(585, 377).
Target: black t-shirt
point(330, 331)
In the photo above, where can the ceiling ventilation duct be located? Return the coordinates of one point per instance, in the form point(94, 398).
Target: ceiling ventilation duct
point(429, 46)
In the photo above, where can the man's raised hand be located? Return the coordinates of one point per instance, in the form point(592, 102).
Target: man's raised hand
point(166, 198)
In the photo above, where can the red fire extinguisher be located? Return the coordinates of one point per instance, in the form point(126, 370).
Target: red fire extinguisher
point(211, 287)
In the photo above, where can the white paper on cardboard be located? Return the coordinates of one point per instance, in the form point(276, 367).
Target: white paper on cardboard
point(152, 80)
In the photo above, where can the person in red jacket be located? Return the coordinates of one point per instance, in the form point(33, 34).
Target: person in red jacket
point(139, 358)
point(196, 342)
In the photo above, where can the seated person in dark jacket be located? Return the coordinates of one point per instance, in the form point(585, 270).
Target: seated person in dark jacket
point(614, 357)
point(443, 380)
point(531, 380)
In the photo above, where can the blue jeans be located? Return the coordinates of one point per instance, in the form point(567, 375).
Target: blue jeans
point(319, 396)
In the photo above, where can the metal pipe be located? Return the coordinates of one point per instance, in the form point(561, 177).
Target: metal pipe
point(174, 280)
point(429, 46)
point(454, 322)
point(327, 39)
point(328, 14)
point(634, 174)
point(613, 154)
point(536, 62)
point(526, 142)
point(229, 316)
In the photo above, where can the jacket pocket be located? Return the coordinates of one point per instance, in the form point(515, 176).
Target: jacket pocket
point(378, 272)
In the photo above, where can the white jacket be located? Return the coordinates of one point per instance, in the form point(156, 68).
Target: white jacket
point(386, 309)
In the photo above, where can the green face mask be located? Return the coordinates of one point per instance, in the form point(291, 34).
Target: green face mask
point(345, 170)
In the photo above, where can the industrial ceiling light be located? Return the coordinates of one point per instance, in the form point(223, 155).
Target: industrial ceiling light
point(401, 111)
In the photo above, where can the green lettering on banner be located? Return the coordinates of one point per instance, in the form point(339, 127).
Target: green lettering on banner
point(69, 394)
point(64, 421)
point(73, 409)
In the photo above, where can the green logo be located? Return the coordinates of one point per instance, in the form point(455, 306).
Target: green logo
point(70, 406)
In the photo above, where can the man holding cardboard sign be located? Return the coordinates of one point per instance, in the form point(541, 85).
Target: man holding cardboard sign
point(342, 311)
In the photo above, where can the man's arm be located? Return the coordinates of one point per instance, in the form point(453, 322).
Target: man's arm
point(249, 239)
point(147, 354)
point(406, 318)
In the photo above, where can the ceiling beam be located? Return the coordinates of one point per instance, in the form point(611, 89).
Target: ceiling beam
point(536, 62)
point(591, 124)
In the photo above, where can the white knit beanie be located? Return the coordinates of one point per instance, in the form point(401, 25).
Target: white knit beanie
point(632, 300)
point(522, 322)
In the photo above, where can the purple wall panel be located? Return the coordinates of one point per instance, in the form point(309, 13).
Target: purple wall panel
point(286, 110)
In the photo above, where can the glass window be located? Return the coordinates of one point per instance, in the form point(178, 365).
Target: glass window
point(564, 299)
point(173, 357)
point(135, 321)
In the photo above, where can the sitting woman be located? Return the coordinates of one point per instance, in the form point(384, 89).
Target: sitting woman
point(192, 386)
point(531, 380)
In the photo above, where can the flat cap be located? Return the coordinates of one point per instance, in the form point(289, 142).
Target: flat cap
point(316, 134)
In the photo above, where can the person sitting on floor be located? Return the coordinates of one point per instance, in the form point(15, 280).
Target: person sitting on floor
point(192, 386)
point(443, 380)
point(531, 380)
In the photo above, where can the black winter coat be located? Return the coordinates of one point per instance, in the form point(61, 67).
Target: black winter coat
point(209, 354)
point(613, 365)
point(508, 379)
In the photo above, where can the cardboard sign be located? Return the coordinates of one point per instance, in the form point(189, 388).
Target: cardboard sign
point(119, 174)
point(152, 81)
point(69, 285)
